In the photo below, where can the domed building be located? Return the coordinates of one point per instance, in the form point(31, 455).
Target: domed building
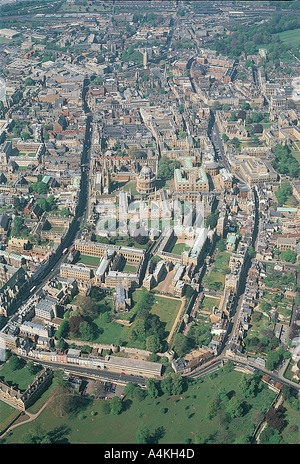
point(146, 180)
point(212, 168)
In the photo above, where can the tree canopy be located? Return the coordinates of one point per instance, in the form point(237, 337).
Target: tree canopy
point(166, 168)
point(284, 161)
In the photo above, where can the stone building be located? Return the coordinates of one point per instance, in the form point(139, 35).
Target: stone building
point(146, 180)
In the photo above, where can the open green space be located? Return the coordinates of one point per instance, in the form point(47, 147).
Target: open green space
point(291, 201)
point(222, 261)
point(296, 154)
point(73, 8)
point(216, 279)
point(290, 434)
point(7, 415)
point(258, 329)
point(289, 372)
point(290, 37)
point(57, 229)
point(131, 186)
point(129, 268)
point(208, 304)
point(88, 260)
point(19, 378)
point(109, 331)
point(179, 248)
point(166, 309)
point(180, 418)
point(117, 333)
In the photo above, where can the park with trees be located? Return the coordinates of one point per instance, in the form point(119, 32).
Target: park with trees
point(258, 35)
point(285, 163)
point(169, 410)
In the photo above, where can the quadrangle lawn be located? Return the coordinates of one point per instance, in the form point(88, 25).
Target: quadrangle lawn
point(179, 248)
point(88, 260)
point(208, 303)
point(20, 378)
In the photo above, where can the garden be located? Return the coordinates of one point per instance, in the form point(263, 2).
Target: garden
point(215, 279)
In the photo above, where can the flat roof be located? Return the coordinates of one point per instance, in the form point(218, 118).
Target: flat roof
point(133, 363)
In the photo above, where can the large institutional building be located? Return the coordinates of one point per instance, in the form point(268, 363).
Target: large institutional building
point(190, 178)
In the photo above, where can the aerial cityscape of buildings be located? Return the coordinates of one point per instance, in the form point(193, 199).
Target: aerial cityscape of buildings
point(149, 193)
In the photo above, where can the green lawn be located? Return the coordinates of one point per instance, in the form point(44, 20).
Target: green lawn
point(113, 332)
point(7, 415)
point(222, 261)
point(129, 268)
point(132, 187)
point(116, 333)
point(166, 309)
point(65, 8)
point(89, 260)
point(179, 248)
point(290, 434)
point(219, 270)
point(130, 242)
point(289, 374)
point(20, 378)
point(266, 125)
point(215, 276)
point(110, 331)
point(290, 37)
point(183, 418)
point(296, 154)
point(208, 303)
point(258, 328)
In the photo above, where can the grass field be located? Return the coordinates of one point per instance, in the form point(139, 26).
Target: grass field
point(166, 309)
point(184, 417)
point(291, 201)
point(88, 260)
point(83, 9)
point(20, 378)
point(222, 260)
point(291, 37)
point(129, 268)
point(257, 328)
point(208, 303)
point(132, 187)
point(7, 415)
point(111, 332)
point(296, 154)
point(114, 332)
point(179, 248)
point(219, 270)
